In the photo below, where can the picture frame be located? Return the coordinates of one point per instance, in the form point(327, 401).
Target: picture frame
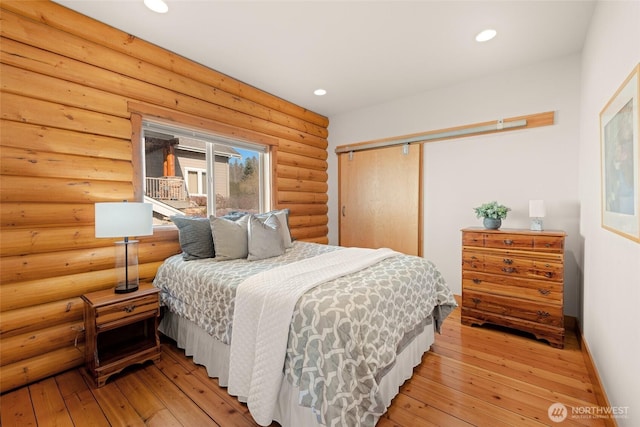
point(620, 159)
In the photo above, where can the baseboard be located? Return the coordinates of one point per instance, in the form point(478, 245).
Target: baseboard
point(598, 389)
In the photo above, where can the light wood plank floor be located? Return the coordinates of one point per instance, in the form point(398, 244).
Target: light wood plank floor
point(474, 376)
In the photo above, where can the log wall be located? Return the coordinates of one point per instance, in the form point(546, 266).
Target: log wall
point(68, 84)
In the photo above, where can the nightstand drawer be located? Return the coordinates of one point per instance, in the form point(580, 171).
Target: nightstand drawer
point(147, 305)
point(546, 314)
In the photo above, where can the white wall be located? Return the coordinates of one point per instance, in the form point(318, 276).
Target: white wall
point(612, 263)
point(512, 167)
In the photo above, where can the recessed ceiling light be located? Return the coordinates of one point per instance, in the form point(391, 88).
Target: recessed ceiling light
point(486, 35)
point(157, 5)
point(319, 92)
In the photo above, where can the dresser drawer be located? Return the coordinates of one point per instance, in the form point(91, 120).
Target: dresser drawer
point(546, 314)
point(143, 306)
point(472, 260)
point(497, 240)
point(507, 264)
point(470, 238)
point(548, 243)
point(511, 263)
point(547, 270)
point(523, 267)
point(533, 290)
point(508, 241)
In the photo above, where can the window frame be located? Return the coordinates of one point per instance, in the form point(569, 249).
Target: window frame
point(141, 113)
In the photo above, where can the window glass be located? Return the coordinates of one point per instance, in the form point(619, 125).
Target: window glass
point(183, 167)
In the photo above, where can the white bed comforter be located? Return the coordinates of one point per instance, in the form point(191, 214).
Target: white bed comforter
point(263, 309)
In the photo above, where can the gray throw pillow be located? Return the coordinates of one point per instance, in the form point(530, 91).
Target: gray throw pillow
point(230, 237)
point(195, 237)
point(265, 238)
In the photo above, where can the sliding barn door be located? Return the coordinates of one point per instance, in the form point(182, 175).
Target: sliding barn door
point(380, 198)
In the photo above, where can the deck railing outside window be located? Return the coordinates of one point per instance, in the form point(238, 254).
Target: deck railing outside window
point(166, 188)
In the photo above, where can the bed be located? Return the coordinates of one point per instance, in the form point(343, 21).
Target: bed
point(322, 335)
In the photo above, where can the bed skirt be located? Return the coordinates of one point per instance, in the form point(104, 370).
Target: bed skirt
point(214, 356)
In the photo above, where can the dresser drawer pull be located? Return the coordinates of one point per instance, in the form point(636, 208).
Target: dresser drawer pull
point(544, 291)
point(509, 270)
point(548, 274)
point(507, 261)
point(476, 281)
point(129, 308)
point(476, 300)
point(508, 242)
point(543, 313)
point(547, 265)
point(547, 245)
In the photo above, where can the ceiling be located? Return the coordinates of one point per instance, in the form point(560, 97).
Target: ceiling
point(361, 52)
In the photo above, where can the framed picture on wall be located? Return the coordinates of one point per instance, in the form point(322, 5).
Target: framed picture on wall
point(620, 156)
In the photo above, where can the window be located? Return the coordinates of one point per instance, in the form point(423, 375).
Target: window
point(198, 174)
point(196, 181)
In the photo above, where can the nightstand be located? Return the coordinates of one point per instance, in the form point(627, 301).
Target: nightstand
point(120, 330)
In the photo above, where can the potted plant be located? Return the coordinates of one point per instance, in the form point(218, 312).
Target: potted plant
point(493, 214)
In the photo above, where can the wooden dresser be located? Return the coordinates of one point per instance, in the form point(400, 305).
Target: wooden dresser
point(514, 278)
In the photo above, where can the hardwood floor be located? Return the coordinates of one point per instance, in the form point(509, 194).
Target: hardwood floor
point(474, 376)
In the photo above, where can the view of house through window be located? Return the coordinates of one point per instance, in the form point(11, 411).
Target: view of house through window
point(196, 174)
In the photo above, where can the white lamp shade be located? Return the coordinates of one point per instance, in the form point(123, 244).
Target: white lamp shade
point(536, 209)
point(124, 219)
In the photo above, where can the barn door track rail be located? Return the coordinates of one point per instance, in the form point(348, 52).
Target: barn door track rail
point(500, 125)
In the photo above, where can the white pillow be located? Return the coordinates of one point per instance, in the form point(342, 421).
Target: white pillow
point(283, 217)
point(265, 237)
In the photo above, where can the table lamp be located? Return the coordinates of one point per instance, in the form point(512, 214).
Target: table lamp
point(536, 213)
point(124, 219)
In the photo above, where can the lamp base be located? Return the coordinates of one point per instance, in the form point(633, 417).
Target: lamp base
point(536, 224)
point(124, 289)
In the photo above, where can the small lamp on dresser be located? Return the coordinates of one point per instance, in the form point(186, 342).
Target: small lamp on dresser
point(123, 219)
point(536, 213)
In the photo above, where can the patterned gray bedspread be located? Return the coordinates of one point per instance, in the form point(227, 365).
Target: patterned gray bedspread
point(344, 334)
